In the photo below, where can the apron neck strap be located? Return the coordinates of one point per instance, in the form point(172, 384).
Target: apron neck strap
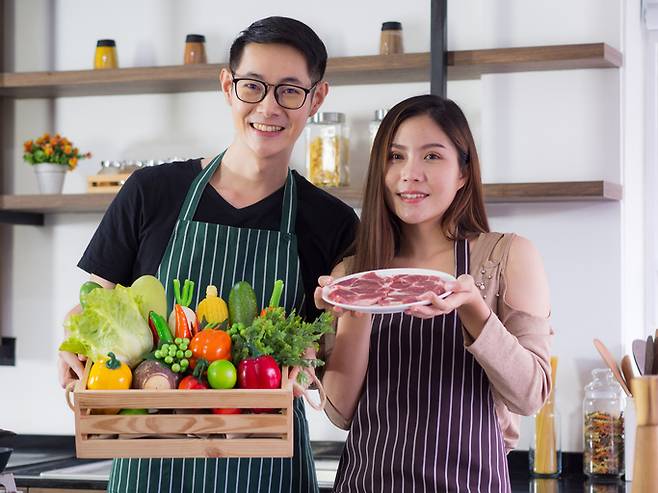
point(195, 192)
point(462, 257)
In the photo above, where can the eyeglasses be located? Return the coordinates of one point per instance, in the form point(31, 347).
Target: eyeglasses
point(254, 91)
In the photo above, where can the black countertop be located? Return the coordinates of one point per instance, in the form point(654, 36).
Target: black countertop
point(34, 454)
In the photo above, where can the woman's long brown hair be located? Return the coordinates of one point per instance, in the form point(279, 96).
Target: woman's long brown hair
point(378, 236)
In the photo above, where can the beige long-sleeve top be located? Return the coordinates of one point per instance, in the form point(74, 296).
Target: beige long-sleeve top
point(513, 347)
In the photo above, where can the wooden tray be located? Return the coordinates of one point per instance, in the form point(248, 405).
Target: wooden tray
point(106, 183)
point(193, 434)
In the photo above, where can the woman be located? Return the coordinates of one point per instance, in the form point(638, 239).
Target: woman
point(428, 395)
point(240, 216)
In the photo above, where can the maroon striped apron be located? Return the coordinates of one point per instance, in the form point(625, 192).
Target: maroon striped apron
point(426, 420)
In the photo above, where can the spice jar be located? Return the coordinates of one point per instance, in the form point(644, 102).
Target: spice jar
point(327, 150)
point(109, 168)
point(106, 54)
point(603, 427)
point(390, 41)
point(373, 127)
point(195, 49)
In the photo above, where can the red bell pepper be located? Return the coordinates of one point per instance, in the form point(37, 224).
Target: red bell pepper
point(259, 372)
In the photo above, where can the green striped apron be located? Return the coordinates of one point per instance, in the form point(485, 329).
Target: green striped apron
point(223, 255)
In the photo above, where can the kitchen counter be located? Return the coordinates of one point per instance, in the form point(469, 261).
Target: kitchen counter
point(49, 462)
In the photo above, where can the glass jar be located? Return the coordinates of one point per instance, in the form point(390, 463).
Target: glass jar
point(327, 150)
point(603, 427)
point(130, 165)
point(109, 168)
point(545, 449)
point(195, 49)
point(374, 124)
point(390, 41)
point(106, 54)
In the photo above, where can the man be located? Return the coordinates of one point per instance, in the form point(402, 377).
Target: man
point(240, 216)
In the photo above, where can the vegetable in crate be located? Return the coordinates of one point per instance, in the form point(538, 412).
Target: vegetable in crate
point(222, 374)
point(154, 375)
point(110, 322)
point(175, 355)
point(182, 320)
point(159, 330)
point(152, 295)
point(109, 374)
point(259, 372)
point(242, 304)
point(210, 344)
point(212, 308)
point(85, 289)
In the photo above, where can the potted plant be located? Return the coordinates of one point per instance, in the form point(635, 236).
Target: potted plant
point(52, 157)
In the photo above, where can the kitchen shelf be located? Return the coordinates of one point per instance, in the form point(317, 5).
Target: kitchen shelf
point(30, 209)
point(376, 69)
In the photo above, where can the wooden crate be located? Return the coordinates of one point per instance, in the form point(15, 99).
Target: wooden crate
point(193, 434)
point(106, 183)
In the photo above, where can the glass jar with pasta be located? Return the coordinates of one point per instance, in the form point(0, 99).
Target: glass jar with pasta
point(327, 150)
point(603, 427)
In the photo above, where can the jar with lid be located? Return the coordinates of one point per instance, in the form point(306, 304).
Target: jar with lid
point(603, 427)
point(390, 41)
point(373, 127)
point(195, 49)
point(327, 150)
point(106, 54)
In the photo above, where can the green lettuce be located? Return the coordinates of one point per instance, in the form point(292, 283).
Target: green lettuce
point(111, 321)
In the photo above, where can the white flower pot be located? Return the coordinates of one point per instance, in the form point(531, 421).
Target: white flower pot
point(50, 177)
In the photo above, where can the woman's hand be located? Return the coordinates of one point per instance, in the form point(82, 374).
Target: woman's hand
point(70, 367)
point(323, 305)
point(465, 297)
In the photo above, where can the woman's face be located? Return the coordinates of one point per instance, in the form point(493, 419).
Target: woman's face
point(422, 174)
point(266, 128)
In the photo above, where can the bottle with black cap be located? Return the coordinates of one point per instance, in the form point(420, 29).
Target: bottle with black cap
point(195, 50)
point(391, 38)
point(106, 54)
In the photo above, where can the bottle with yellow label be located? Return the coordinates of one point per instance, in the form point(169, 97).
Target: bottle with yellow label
point(106, 54)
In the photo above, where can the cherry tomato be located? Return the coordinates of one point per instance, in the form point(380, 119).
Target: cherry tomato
point(222, 374)
point(191, 382)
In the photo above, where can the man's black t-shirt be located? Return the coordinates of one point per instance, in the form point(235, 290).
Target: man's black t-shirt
point(134, 232)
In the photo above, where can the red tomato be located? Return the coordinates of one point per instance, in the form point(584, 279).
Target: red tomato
point(211, 345)
point(191, 382)
point(227, 410)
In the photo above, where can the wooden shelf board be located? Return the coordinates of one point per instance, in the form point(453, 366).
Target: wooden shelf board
point(498, 192)
point(375, 69)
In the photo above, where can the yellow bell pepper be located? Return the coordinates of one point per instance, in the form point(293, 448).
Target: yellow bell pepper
point(212, 307)
point(109, 374)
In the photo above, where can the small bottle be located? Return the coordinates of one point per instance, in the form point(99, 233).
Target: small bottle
point(603, 430)
point(374, 124)
point(195, 49)
point(106, 54)
point(391, 39)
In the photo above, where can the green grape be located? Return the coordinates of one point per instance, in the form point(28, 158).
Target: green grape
point(188, 354)
point(169, 360)
point(175, 367)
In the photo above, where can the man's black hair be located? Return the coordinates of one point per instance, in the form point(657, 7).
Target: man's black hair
point(287, 31)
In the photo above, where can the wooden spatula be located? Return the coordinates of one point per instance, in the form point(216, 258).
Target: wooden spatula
point(612, 364)
point(648, 356)
point(639, 354)
point(627, 371)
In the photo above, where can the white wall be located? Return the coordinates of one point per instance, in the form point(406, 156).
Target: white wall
point(542, 126)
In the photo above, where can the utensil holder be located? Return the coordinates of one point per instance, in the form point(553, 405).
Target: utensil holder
point(645, 464)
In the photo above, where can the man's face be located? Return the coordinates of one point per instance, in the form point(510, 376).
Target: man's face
point(266, 128)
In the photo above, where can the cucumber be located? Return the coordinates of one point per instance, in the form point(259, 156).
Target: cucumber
point(242, 305)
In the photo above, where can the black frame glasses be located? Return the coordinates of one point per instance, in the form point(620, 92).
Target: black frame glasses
point(265, 87)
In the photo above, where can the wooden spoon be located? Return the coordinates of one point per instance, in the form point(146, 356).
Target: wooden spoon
point(612, 364)
point(627, 371)
point(639, 353)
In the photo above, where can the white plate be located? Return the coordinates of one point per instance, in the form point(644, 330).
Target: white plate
point(389, 308)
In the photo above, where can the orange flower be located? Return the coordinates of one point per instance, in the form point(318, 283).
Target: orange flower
point(75, 151)
point(45, 136)
point(73, 162)
point(47, 150)
point(65, 141)
point(67, 149)
point(27, 145)
point(54, 141)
